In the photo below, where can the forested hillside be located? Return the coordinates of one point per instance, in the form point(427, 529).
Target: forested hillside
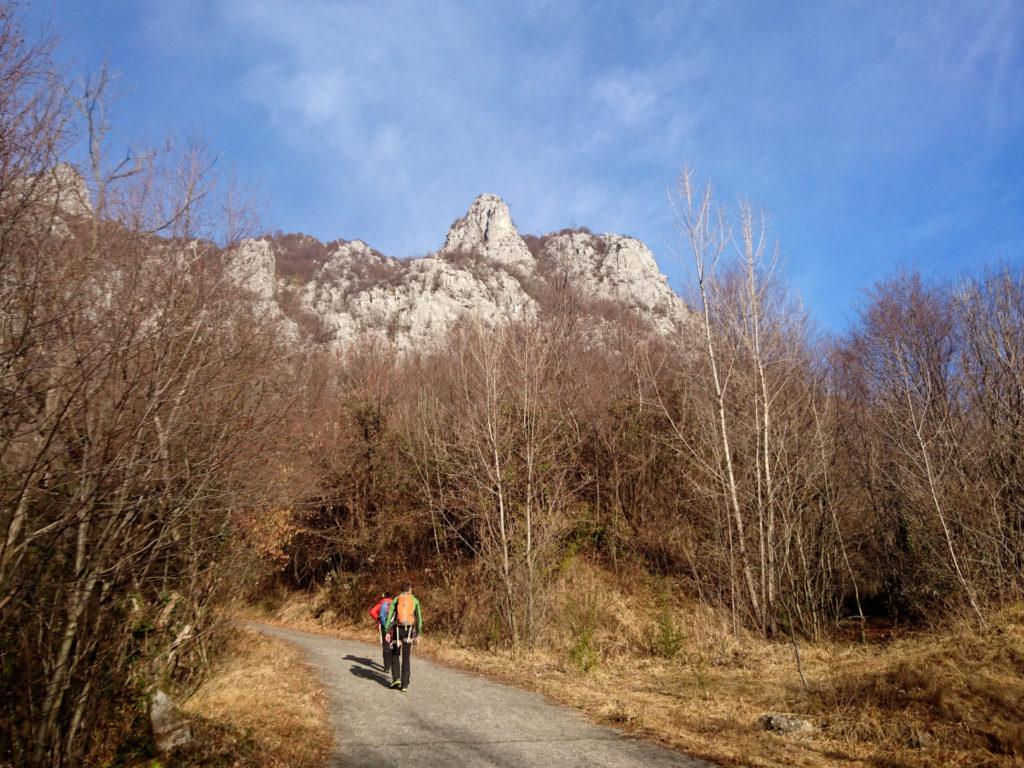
point(795, 481)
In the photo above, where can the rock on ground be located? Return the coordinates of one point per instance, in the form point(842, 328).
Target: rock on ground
point(784, 723)
point(170, 729)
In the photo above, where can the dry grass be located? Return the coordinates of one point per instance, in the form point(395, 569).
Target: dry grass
point(263, 707)
point(678, 675)
point(948, 700)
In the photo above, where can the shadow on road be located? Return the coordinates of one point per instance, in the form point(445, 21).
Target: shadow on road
point(362, 660)
point(368, 674)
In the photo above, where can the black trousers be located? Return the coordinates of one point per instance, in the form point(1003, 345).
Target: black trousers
point(402, 653)
point(385, 649)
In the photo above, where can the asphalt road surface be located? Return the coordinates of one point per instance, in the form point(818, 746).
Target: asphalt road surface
point(451, 719)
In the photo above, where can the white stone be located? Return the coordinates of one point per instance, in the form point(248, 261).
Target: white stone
point(487, 229)
point(478, 276)
point(69, 191)
point(418, 303)
point(52, 195)
point(781, 722)
point(251, 266)
point(615, 268)
point(170, 729)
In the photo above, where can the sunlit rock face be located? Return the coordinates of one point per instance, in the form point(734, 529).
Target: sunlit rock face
point(412, 304)
point(252, 267)
point(486, 272)
point(67, 189)
point(617, 269)
point(52, 197)
point(487, 230)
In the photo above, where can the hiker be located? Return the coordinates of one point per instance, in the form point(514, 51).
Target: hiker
point(379, 613)
point(405, 622)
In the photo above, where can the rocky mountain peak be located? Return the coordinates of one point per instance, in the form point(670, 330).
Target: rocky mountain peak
point(487, 230)
point(59, 190)
point(485, 272)
point(69, 190)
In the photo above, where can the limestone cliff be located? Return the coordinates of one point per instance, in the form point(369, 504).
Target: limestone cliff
point(485, 271)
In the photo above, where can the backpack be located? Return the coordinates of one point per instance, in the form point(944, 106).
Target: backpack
point(382, 617)
point(405, 609)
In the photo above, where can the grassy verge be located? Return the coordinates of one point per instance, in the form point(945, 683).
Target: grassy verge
point(950, 697)
point(946, 699)
point(261, 707)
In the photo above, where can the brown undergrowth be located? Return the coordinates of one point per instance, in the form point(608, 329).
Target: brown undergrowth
point(261, 707)
point(624, 653)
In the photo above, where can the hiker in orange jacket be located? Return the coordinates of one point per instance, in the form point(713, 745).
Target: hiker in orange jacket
point(379, 614)
point(405, 622)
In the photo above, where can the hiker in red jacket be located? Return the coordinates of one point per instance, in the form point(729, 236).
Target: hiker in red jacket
point(379, 613)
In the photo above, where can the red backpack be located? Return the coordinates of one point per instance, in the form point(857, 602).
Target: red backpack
point(380, 610)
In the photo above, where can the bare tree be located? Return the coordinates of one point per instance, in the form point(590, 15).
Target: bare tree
point(137, 394)
point(708, 236)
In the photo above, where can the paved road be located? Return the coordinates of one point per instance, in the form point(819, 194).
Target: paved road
point(451, 719)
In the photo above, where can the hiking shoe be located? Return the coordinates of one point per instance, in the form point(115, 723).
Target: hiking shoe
point(406, 689)
point(395, 683)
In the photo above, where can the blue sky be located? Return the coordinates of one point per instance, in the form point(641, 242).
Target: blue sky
point(877, 135)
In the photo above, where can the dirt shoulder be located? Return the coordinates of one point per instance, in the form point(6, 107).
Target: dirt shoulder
point(262, 706)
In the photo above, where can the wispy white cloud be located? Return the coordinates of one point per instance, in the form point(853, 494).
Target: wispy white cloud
point(420, 108)
point(629, 98)
point(316, 97)
point(836, 115)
